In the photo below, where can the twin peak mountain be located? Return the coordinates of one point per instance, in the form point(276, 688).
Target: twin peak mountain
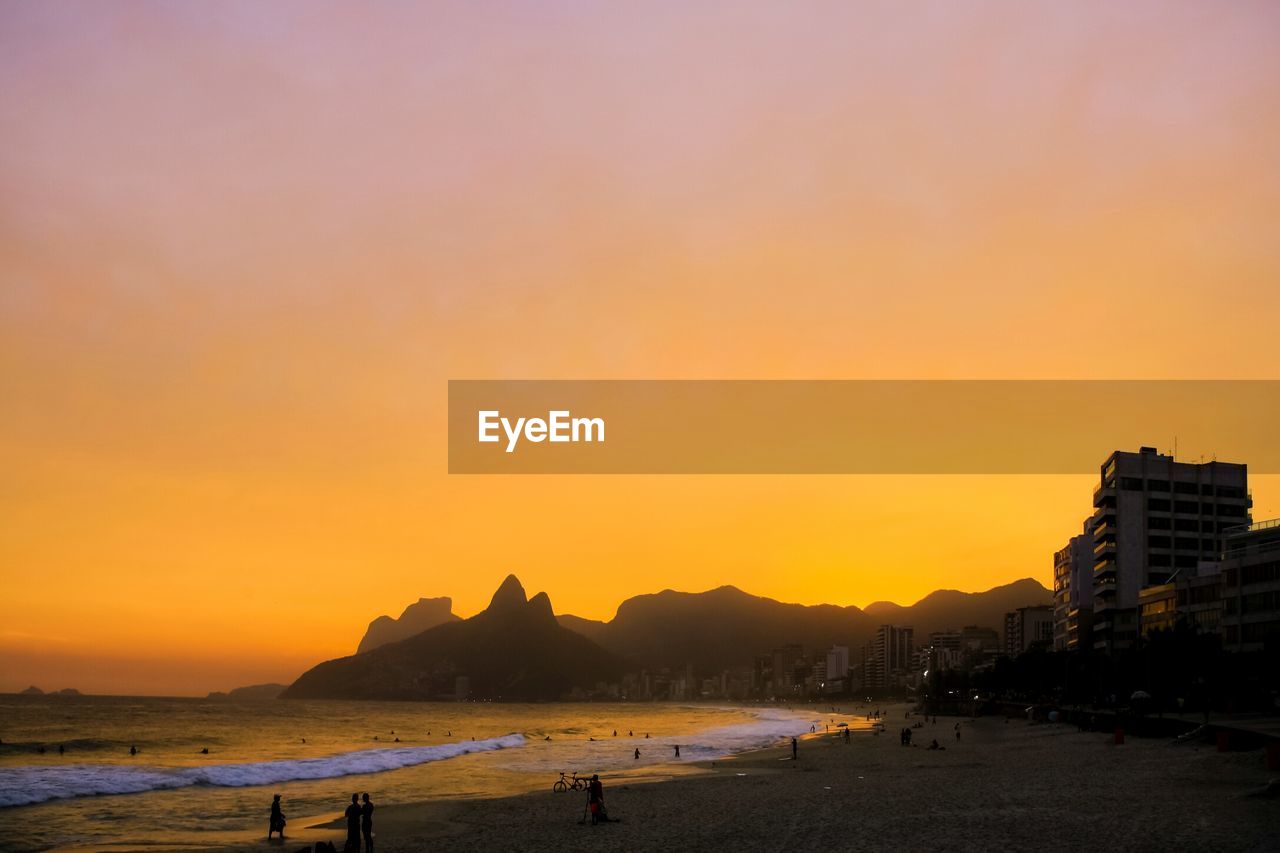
point(517, 649)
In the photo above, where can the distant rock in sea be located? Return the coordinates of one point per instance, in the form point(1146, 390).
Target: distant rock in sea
point(514, 650)
point(420, 616)
point(252, 693)
point(32, 691)
point(68, 691)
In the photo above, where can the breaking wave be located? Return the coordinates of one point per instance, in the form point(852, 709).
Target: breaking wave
point(21, 786)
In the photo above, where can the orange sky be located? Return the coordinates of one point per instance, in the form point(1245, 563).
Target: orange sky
point(243, 248)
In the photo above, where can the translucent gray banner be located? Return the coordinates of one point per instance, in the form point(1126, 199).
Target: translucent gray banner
point(852, 427)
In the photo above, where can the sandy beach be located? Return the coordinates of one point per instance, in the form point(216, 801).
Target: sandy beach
point(1003, 786)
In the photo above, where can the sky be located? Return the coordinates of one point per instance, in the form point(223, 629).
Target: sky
point(244, 246)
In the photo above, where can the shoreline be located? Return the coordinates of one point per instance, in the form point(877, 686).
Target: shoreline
point(1005, 784)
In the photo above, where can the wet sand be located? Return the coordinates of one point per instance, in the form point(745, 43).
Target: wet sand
point(1005, 786)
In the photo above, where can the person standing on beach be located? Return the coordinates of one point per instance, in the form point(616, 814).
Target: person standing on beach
point(353, 825)
point(637, 754)
point(595, 799)
point(957, 732)
point(677, 750)
point(795, 750)
point(366, 823)
point(277, 819)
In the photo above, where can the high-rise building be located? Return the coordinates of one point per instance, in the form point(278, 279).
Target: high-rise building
point(837, 671)
point(1250, 570)
point(887, 658)
point(1152, 517)
point(1073, 588)
point(790, 668)
point(1027, 627)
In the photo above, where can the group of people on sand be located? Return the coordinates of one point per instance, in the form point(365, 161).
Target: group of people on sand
point(359, 817)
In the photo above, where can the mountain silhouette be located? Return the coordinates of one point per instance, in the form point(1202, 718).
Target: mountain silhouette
point(950, 608)
point(251, 693)
point(725, 627)
point(722, 627)
point(513, 650)
point(417, 617)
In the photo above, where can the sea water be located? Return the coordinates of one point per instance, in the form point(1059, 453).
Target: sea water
point(317, 753)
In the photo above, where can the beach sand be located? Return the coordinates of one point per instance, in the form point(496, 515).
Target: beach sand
point(1005, 786)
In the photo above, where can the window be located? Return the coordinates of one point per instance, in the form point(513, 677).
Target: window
point(1186, 506)
point(1184, 561)
point(1158, 504)
point(1188, 524)
point(1159, 560)
point(1133, 484)
point(1230, 492)
point(1186, 488)
point(1157, 541)
point(1184, 543)
point(1158, 523)
point(1158, 485)
point(1209, 545)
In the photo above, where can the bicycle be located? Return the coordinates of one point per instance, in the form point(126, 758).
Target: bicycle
point(568, 783)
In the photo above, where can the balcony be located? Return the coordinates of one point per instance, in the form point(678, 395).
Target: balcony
point(1106, 546)
point(1104, 569)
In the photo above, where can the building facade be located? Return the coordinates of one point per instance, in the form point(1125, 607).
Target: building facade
point(1154, 516)
point(887, 660)
point(1250, 570)
point(1073, 589)
point(1027, 627)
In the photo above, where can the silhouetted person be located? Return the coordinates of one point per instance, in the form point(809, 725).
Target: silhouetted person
point(366, 823)
point(846, 735)
point(133, 750)
point(615, 732)
point(353, 825)
point(957, 732)
point(677, 750)
point(277, 819)
point(595, 799)
point(795, 749)
point(631, 733)
point(637, 754)
point(61, 749)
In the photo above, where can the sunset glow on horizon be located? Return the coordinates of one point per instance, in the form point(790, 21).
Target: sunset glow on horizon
point(244, 247)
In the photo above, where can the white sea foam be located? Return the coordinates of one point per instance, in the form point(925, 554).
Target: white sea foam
point(20, 786)
point(769, 727)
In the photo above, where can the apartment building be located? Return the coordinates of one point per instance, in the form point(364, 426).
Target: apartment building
point(1152, 517)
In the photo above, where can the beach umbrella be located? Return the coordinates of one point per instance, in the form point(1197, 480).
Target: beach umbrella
point(842, 725)
point(1139, 694)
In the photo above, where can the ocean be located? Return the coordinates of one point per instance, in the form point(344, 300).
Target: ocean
point(95, 795)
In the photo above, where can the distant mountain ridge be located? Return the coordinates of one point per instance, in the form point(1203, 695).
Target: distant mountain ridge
point(417, 617)
point(513, 650)
point(724, 627)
